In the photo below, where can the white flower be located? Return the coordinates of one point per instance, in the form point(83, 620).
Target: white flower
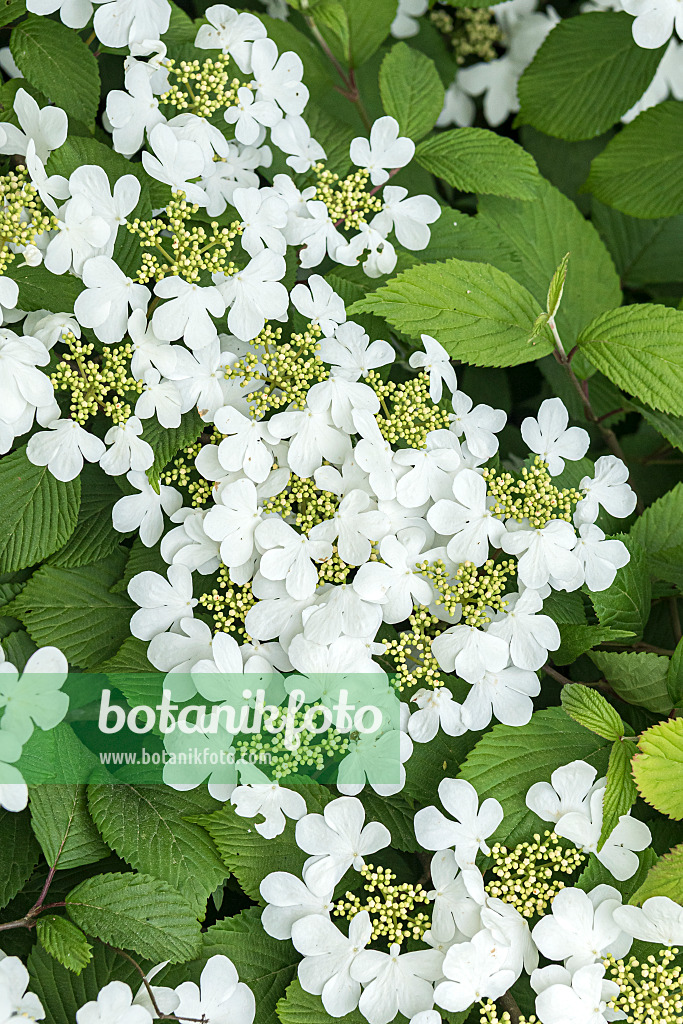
point(655, 20)
point(599, 558)
point(436, 360)
point(436, 707)
point(578, 998)
point(134, 111)
point(274, 802)
point(250, 116)
point(548, 436)
point(432, 474)
point(13, 789)
point(235, 168)
point(121, 22)
point(405, 25)
point(233, 521)
point(505, 695)
point(455, 914)
point(581, 926)
point(529, 634)
point(33, 697)
point(395, 582)
point(79, 235)
point(186, 315)
point(163, 603)
point(263, 214)
point(314, 438)
point(469, 652)
point(114, 1005)
point(381, 257)
point(458, 107)
point(395, 982)
point(384, 150)
point(220, 997)
point(319, 303)
point(179, 652)
point(175, 162)
point(569, 790)
point(328, 956)
point(292, 135)
point(618, 851)
point(277, 79)
point(408, 217)
point(159, 398)
point(338, 840)
point(609, 488)
point(277, 613)
point(545, 553)
point(22, 384)
point(289, 900)
point(339, 611)
point(107, 299)
point(255, 294)
point(62, 448)
point(230, 32)
point(244, 447)
point(509, 928)
point(113, 206)
point(472, 826)
point(47, 126)
point(468, 521)
point(50, 187)
point(479, 425)
point(74, 13)
point(668, 79)
point(289, 556)
point(659, 920)
point(319, 235)
point(474, 971)
point(351, 352)
point(127, 449)
point(144, 511)
point(200, 379)
point(355, 524)
point(189, 544)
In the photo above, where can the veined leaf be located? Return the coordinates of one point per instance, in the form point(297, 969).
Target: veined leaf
point(411, 90)
point(477, 160)
point(658, 768)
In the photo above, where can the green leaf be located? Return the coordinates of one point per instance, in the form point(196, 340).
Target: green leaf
point(74, 610)
point(429, 762)
point(597, 874)
point(10, 10)
point(577, 639)
point(168, 441)
point(477, 160)
point(670, 427)
point(265, 964)
point(556, 287)
point(354, 28)
point(300, 1007)
point(64, 941)
point(665, 878)
point(146, 826)
point(19, 853)
point(478, 313)
point(39, 289)
point(658, 768)
point(586, 74)
point(58, 757)
point(620, 792)
point(394, 812)
point(38, 513)
point(94, 537)
point(626, 603)
point(675, 676)
point(590, 709)
point(55, 60)
point(660, 530)
point(507, 760)
point(639, 171)
point(411, 90)
point(64, 828)
point(131, 657)
point(78, 150)
point(638, 677)
point(644, 251)
point(138, 912)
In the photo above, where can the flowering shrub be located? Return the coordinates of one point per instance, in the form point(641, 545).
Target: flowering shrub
point(306, 373)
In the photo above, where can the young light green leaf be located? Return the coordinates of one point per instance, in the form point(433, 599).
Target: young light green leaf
point(586, 74)
point(620, 792)
point(64, 941)
point(638, 677)
point(38, 513)
point(137, 912)
point(557, 287)
point(665, 878)
point(638, 172)
point(658, 768)
point(675, 676)
point(640, 349)
point(478, 313)
point(411, 90)
point(63, 826)
point(590, 709)
point(477, 160)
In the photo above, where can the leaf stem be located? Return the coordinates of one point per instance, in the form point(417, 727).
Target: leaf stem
point(350, 89)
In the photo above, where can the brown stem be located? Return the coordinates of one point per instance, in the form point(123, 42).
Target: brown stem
point(600, 684)
point(675, 619)
point(508, 1004)
point(350, 89)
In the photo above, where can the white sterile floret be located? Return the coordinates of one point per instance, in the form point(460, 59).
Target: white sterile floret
point(355, 524)
point(230, 32)
point(108, 298)
point(313, 438)
point(16, 1002)
point(47, 126)
point(133, 111)
point(619, 851)
point(479, 424)
point(549, 436)
point(431, 475)
point(655, 21)
point(436, 708)
point(608, 488)
point(544, 553)
point(50, 187)
point(63, 447)
point(188, 311)
point(22, 385)
point(127, 449)
point(112, 205)
point(529, 634)
point(395, 583)
point(34, 696)
point(251, 116)
point(80, 234)
point(122, 22)
point(338, 839)
point(409, 217)
point(569, 790)
point(470, 652)
point(319, 303)
point(339, 611)
point(319, 235)
point(381, 258)
point(599, 558)
point(13, 789)
point(290, 556)
point(160, 398)
point(73, 13)
point(189, 544)
point(436, 360)
point(254, 294)
point(163, 603)
point(274, 802)
point(220, 997)
point(472, 826)
point(328, 955)
point(144, 511)
point(175, 162)
point(395, 982)
point(289, 900)
point(659, 920)
point(245, 444)
point(578, 998)
point(293, 136)
point(233, 520)
point(504, 695)
point(263, 214)
point(385, 150)
point(352, 354)
point(474, 971)
point(277, 78)
point(581, 927)
point(114, 1005)
point(455, 914)
point(468, 521)
point(405, 25)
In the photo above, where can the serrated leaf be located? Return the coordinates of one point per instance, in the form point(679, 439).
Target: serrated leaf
point(94, 536)
point(145, 825)
point(396, 814)
point(354, 29)
point(38, 513)
point(131, 657)
point(19, 853)
point(590, 709)
point(411, 90)
point(660, 530)
point(477, 160)
point(556, 287)
point(585, 75)
point(665, 878)
point(507, 760)
point(640, 349)
point(638, 677)
point(74, 610)
point(136, 911)
point(55, 60)
point(64, 941)
point(59, 758)
point(620, 792)
point(644, 251)
point(670, 427)
point(626, 603)
point(168, 441)
point(63, 826)
point(10, 10)
point(39, 289)
point(658, 768)
point(674, 679)
point(638, 172)
point(577, 639)
point(478, 313)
